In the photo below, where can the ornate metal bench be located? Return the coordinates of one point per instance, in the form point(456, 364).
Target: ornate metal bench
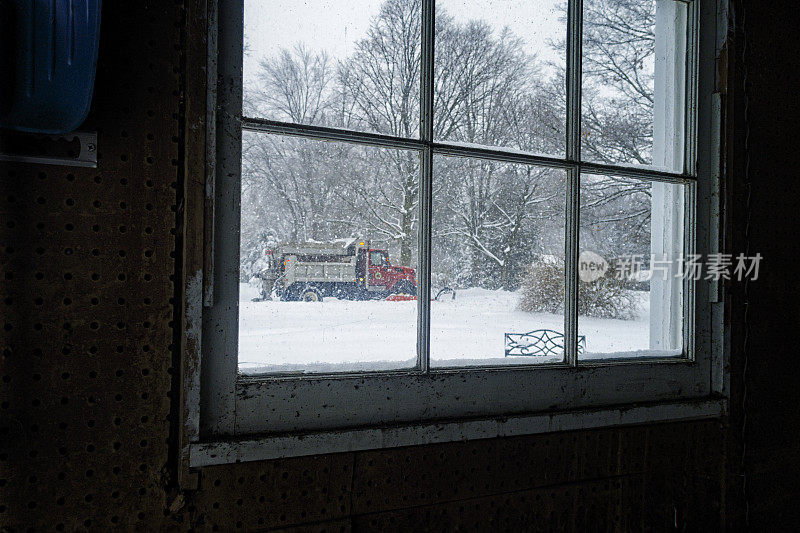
point(539, 342)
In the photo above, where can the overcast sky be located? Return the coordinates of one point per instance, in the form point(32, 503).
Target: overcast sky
point(335, 26)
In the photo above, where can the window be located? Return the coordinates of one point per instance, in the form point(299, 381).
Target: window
point(406, 193)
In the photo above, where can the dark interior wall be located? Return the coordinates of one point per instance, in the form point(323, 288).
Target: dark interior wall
point(764, 458)
point(88, 258)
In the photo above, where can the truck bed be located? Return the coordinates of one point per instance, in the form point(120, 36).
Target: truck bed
point(340, 272)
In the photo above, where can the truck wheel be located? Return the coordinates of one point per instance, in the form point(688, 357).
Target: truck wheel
point(288, 294)
point(278, 292)
point(292, 293)
point(404, 287)
point(310, 294)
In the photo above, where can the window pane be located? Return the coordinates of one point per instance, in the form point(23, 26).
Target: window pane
point(634, 63)
point(630, 298)
point(497, 263)
point(499, 73)
point(349, 64)
point(328, 256)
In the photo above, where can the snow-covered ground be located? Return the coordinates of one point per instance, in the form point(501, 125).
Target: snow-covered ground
point(343, 335)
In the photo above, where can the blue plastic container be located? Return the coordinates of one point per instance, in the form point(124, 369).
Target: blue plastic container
point(48, 58)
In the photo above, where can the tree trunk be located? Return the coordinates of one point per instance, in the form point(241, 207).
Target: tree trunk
point(475, 267)
point(410, 191)
point(408, 237)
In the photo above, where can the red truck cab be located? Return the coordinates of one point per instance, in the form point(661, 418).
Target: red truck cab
point(382, 276)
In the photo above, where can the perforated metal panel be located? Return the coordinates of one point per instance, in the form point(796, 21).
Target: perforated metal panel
point(88, 263)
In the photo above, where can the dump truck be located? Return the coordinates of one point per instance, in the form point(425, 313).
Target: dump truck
point(345, 268)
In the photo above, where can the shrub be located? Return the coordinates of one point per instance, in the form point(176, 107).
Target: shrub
point(543, 292)
point(543, 287)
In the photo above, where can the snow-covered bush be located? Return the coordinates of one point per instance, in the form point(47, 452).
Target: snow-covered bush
point(543, 292)
point(543, 286)
point(607, 297)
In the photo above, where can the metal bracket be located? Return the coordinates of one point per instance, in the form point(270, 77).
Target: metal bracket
point(40, 149)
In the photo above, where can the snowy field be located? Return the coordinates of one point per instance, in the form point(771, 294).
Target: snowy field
point(342, 335)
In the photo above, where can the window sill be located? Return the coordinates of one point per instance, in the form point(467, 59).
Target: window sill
point(325, 442)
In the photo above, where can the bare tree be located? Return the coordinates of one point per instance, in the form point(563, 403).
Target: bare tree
point(294, 86)
point(617, 118)
point(619, 50)
point(618, 68)
point(489, 217)
point(490, 91)
point(292, 180)
point(382, 80)
point(500, 216)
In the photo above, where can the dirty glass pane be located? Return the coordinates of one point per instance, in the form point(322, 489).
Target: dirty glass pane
point(634, 77)
point(497, 263)
point(499, 74)
point(328, 256)
point(347, 64)
point(632, 268)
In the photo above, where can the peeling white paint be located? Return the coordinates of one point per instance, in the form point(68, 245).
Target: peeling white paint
point(194, 307)
point(193, 331)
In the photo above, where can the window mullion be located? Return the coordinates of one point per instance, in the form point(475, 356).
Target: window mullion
point(690, 87)
point(574, 50)
point(574, 42)
point(425, 187)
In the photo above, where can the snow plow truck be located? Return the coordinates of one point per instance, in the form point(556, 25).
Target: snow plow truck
point(350, 269)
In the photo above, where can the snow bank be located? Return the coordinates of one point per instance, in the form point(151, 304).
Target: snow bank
point(345, 336)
